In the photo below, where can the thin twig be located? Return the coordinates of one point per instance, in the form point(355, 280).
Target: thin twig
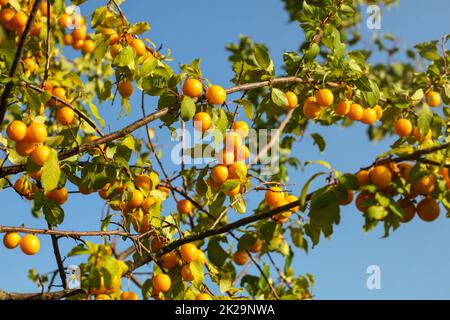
point(57, 254)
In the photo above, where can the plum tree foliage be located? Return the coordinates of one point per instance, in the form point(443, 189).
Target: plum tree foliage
point(53, 140)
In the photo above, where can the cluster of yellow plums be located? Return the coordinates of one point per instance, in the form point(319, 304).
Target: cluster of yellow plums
point(241, 257)
point(324, 98)
point(11, 19)
point(15, 21)
point(78, 38)
point(382, 175)
point(275, 197)
point(133, 199)
point(125, 295)
point(102, 292)
point(29, 140)
point(404, 127)
point(183, 257)
point(29, 244)
point(28, 189)
point(231, 159)
point(117, 42)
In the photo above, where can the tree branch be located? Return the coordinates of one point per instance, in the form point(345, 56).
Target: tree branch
point(57, 253)
point(212, 232)
point(47, 61)
point(18, 57)
point(57, 295)
point(416, 155)
point(145, 120)
point(94, 144)
point(63, 233)
point(281, 80)
point(274, 138)
point(80, 114)
point(264, 276)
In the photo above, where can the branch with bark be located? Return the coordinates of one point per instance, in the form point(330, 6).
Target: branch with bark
point(56, 295)
point(8, 170)
point(64, 233)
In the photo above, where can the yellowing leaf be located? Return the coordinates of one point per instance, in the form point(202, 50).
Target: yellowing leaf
point(51, 172)
point(94, 111)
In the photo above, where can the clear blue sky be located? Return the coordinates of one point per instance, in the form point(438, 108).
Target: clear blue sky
point(414, 261)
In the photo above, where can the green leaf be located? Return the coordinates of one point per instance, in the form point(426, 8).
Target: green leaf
point(305, 188)
point(262, 56)
point(221, 121)
point(187, 108)
point(321, 162)
point(239, 204)
point(197, 271)
point(201, 185)
point(297, 238)
point(51, 172)
point(267, 230)
point(54, 214)
point(125, 58)
point(428, 50)
point(125, 149)
point(148, 66)
point(126, 105)
point(446, 111)
point(230, 184)
point(323, 214)
point(250, 283)
point(248, 107)
point(417, 96)
point(98, 16)
point(94, 111)
point(349, 181)
point(139, 28)
point(373, 95)
point(225, 282)
point(78, 250)
point(216, 254)
point(424, 119)
point(147, 288)
point(155, 85)
point(347, 9)
point(111, 268)
point(73, 79)
point(105, 222)
point(312, 52)
point(246, 241)
point(377, 212)
point(279, 97)
point(319, 141)
point(363, 84)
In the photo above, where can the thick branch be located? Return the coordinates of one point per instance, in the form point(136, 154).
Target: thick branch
point(94, 144)
point(416, 155)
point(145, 120)
point(4, 229)
point(57, 295)
point(18, 57)
point(212, 232)
point(281, 80)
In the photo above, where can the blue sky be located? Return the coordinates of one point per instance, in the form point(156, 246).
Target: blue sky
point(414, 260)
